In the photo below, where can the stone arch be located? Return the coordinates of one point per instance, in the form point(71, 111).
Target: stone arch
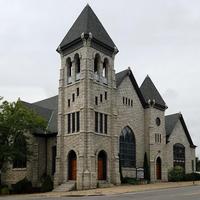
point(127, 148)
point(102, 165)
point(72, 165)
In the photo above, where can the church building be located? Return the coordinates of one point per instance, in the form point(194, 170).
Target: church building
point(101, 123)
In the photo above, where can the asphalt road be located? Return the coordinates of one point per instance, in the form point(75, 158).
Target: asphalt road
point(183, 193)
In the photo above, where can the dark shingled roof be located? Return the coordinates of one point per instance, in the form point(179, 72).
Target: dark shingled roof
point(50, 103)
point(86, 23)
point(149, 91)
point(170, 123)
point(47, 109)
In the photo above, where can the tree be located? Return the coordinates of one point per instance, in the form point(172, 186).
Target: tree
point(146, 168)
point(16, 122)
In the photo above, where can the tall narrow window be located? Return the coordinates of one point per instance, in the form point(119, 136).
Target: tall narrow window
point(131, 103)
point(68, 102)
point(96, 100)
point(69, 70)
point(53, 169)
point(96, 122)
point(105, 71)
point(77, 121)
point(73, 97)
point(101, 123)
point(73, 122)
point(77, 92)
point(77, 66)
point(101, 97)
point(105, 123)
point(96, 66)
point(69, 122)
point(105, 95)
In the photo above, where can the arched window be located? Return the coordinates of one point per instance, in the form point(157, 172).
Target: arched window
point(97, 61)
point(20, 156)
point(77, 66)
point(69, 70)
point(179, 155)
point(105, 70)
point(127, 148)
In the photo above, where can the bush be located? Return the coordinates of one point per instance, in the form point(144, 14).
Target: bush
point(192, 177)
point(47, 184)
point(176, 174)
point(4, 190)
point(23, 186)
point(132, 181)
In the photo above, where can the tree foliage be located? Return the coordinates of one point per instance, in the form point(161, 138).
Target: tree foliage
point(16, 120)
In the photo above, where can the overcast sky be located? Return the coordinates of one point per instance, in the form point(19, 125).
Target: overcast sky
point(154, 37)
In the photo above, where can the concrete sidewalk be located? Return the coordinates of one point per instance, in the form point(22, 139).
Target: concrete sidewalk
point(115, 190)
point(121, 189)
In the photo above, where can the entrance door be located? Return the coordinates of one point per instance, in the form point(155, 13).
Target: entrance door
point(72, 166)
point(102, 165)
point(158, 168)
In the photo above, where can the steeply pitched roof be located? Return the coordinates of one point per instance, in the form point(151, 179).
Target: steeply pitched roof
point(123, 74)
point(86, 23)
point(170, 123)
point(149, 91)
point(47, 109)
point(50, 103)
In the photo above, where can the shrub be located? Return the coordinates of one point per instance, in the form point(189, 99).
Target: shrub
point(176, 174)
point(192, 177)
point(4, 190)
point(47, 184)
point(132, 181)
point(23, 186)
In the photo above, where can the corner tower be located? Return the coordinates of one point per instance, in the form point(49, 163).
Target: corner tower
point(155, 136)
point(86, 86)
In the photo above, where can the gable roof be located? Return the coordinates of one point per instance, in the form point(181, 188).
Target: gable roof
point(150, 92)
point(87, 22)
point(122, 75)
point(47, 109)
point(170, 123)
point(49, 103)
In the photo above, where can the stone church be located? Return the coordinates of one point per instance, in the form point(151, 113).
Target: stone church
point(101, 121)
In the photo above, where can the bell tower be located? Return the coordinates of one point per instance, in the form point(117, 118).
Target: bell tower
point(85, 106)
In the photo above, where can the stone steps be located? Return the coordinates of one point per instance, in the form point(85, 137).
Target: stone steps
point(68, 186)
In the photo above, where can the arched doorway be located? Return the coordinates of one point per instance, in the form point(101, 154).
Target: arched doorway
point(102, 165)
point(72, 165)
point(158, 168)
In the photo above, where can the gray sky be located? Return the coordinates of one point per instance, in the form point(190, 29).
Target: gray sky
point(155, 37)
